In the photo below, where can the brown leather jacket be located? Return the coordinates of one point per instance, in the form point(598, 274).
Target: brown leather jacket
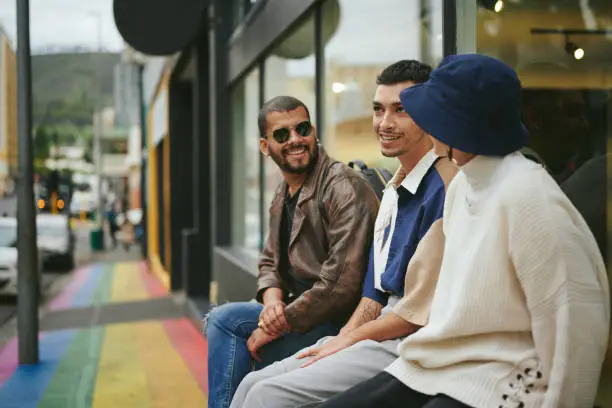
point(351, 206)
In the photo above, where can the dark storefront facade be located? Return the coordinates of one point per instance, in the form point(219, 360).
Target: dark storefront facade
point(208, 185)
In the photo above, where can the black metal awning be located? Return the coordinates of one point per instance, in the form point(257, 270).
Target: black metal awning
point(159, 27)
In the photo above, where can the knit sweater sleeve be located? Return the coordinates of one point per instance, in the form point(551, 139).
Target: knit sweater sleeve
point(564, 282)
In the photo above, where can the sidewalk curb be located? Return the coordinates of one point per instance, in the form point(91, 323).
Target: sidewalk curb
point(190, 310)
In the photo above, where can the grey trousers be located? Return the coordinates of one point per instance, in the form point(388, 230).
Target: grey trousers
point(285, 384)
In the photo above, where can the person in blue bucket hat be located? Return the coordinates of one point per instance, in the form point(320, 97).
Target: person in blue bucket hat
point(520, 315)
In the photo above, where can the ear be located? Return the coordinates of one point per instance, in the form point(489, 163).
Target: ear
point(314, 132)
point(264, 146)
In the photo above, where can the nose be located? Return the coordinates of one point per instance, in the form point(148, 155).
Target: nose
point(387, 122)
point(293, 136)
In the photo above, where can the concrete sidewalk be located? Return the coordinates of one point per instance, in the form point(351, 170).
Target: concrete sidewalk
point(113, 337)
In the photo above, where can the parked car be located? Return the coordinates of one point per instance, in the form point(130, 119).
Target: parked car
point(8, 256)
point(56, 241)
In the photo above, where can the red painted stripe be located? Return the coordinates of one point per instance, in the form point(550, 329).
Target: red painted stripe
point(151, 282)
point(192, 347)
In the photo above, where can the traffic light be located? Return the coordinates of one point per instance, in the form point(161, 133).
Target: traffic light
point(53, 184)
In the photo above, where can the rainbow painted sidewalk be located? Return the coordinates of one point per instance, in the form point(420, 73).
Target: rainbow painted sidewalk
point(148, 362)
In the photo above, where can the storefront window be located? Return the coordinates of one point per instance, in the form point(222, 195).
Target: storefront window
point(289, 70)
point(245, 199)
point(562, 52)
point(368, 37)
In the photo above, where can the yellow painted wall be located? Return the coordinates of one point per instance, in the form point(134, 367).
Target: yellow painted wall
point(153, 193)
point(8, 115)
point(167, 203)
point(9, 61)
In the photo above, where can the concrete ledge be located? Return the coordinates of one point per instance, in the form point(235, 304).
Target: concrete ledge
point(235, 274)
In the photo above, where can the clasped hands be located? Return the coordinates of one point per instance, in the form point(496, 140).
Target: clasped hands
point(272, 324)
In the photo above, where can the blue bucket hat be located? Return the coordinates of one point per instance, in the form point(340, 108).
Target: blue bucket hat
point(472, 103)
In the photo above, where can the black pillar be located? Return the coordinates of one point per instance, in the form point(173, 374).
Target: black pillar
point(199, 263)
point(143, 161)
point(449, 27)
point(220, 12)
point(181, 177)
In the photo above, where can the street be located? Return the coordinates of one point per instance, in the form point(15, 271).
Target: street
point(8, 206)
point(8, 306)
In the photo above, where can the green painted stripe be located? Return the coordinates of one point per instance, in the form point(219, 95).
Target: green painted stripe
point(74, 381)
point(103, 292)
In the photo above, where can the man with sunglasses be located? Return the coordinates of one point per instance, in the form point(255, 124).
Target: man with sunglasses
point(314, 261)
point(404, 264)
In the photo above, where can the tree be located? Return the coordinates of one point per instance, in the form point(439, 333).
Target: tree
point(42, 143)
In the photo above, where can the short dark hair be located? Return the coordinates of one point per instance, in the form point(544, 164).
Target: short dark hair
point(402, 71)
point(281, 103)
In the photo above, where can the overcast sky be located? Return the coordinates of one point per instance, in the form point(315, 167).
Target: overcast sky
point(65, 23)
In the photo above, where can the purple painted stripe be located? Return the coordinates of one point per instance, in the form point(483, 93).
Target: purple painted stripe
point(64, 299)
point(84, 296)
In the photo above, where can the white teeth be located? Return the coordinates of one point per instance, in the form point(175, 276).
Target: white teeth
point(297, 150)
point(389, 138)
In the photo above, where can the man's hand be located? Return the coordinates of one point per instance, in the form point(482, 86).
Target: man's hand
point(272, 318)
point(333, 346)
point(258, 339)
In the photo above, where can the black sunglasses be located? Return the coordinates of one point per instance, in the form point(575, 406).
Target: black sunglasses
point(303, 129)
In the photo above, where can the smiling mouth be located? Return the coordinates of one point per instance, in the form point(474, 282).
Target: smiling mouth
point(296, 151)
point(388, 138)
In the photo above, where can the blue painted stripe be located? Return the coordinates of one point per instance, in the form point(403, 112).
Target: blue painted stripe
point(26, 386)
point(84, 296)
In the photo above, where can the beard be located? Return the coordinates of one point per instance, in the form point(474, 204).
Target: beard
point(284, 161)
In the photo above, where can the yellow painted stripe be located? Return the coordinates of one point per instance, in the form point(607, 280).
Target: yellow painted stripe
point(160, 272)
point(121, 380)
point(171, 383)
point(127, 284)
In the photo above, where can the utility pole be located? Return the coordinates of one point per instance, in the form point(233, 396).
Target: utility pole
point(98, 162)
point(27, 259)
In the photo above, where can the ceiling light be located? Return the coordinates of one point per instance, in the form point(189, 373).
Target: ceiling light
point(573, 49)
point(493, 5)
point(338, 87)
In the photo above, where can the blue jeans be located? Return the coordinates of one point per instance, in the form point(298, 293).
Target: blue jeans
point(228, 327)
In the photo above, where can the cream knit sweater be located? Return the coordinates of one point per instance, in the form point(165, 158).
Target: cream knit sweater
point(520, 316)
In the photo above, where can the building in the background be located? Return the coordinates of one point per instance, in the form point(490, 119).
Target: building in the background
point(8, 114)
point(127, 101)
point(128, 78)
point(111, 159)
point(208, 187)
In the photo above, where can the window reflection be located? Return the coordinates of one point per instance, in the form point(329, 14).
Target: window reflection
point(245, 211)
point(369, 37)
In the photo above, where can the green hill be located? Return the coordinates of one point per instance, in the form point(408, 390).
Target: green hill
point(66, 87)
